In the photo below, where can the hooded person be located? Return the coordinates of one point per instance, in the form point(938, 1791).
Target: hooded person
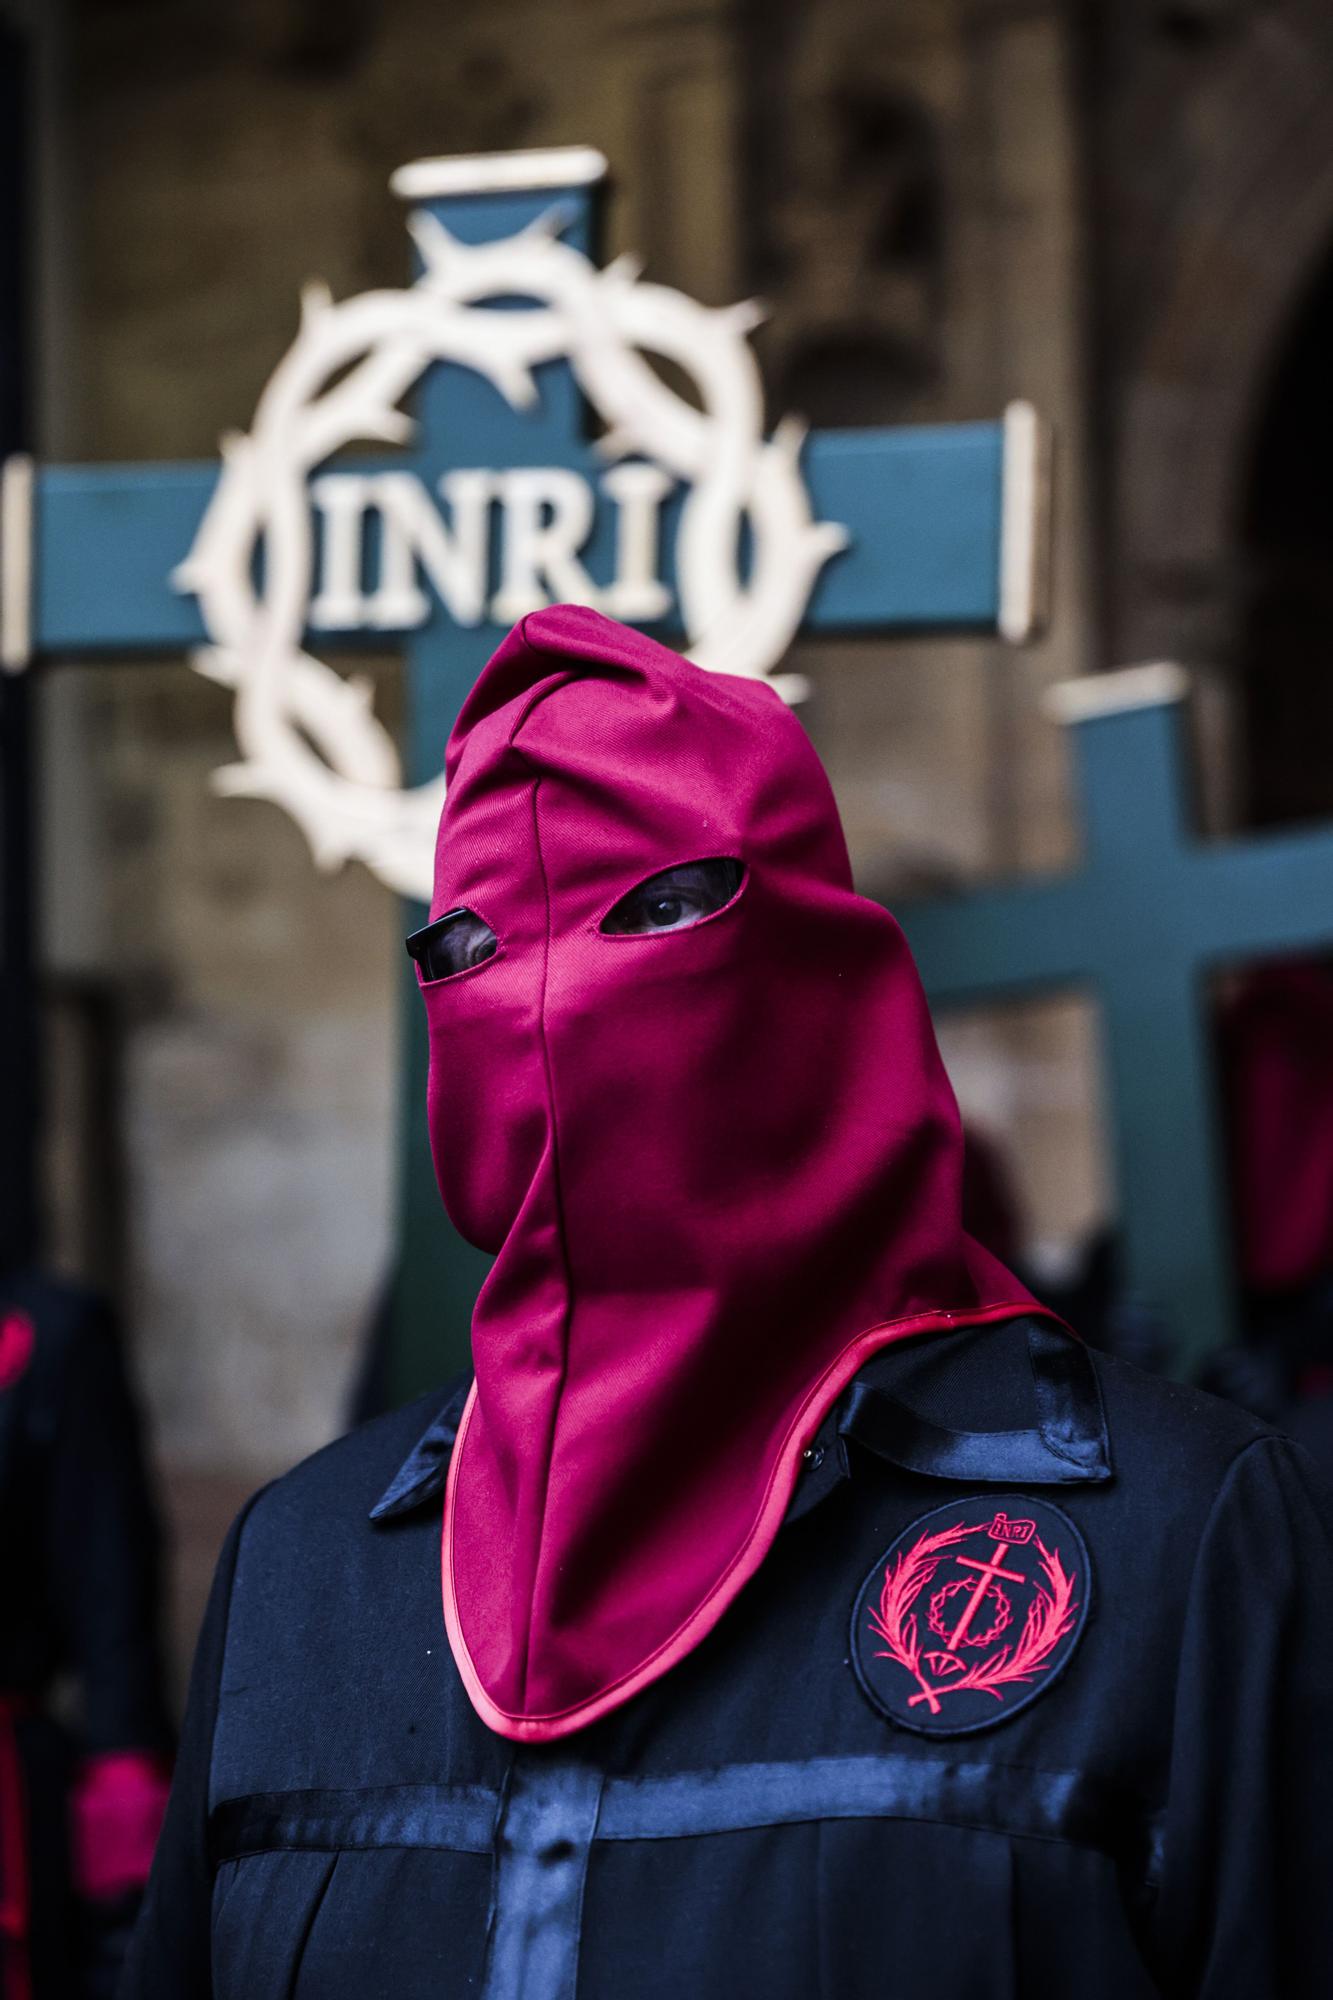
point(1275, 1056)
point(85, 1736)
point(789, 1603)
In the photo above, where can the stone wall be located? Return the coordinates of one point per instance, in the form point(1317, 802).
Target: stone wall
point(916, 222)
point(1209, 126)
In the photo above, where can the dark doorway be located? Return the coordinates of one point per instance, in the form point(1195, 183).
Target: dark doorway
point(1285, 633)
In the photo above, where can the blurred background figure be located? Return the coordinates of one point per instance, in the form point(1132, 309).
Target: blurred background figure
point(1275, 1083)
point(85, 1729)
point(1276, 1050)
point(84, 1732)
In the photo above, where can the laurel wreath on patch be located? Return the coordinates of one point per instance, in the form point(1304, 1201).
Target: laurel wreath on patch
point(1050, 1618)
point(309, 738)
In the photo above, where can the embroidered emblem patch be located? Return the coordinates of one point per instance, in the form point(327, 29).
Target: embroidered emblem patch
point(972, 1613)
point(16, 1344)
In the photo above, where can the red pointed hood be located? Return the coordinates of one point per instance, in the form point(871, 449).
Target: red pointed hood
point(719, 1166)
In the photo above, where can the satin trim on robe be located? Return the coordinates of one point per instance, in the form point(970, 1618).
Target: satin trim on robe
point(1068, 1445)
point(735, 1798)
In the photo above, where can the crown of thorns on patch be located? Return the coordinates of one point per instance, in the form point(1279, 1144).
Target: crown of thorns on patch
point(954, 1607)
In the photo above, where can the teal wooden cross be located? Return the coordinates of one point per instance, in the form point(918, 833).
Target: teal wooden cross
point(435, 548)
point(1152, 911)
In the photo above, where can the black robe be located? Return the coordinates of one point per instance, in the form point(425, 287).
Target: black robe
point(787, 1814)
point(79, 1586)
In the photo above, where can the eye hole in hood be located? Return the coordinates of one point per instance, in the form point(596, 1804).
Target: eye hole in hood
point(676, 897)
point(454, 943)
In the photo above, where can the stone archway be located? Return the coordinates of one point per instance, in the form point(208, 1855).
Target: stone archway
point(1245, 212)
point(1283, 652)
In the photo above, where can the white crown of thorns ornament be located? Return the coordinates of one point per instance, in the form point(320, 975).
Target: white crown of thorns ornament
point(309, 738)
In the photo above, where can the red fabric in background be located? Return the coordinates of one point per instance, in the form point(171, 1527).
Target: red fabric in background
point(17, 1339)
point(116, 1811)
point(1277, 1063)
point(718, 1167)
point(15, 1887)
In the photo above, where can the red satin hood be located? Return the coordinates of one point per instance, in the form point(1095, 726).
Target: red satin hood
point(719, 1166)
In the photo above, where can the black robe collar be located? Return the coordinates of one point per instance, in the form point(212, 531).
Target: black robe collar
point(422, 1474)
point(884, 1412)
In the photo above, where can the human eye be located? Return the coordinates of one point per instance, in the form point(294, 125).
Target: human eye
point(454, 942)
point(676, 898)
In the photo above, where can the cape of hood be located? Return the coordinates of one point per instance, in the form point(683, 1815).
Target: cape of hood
point(718, 1167)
